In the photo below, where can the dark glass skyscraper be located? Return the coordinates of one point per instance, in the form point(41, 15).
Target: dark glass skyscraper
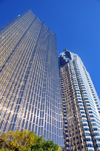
point(80, 104)
point(29, 79)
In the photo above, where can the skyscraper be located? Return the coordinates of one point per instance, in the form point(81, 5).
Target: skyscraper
point(80, 104)
point(29, 77)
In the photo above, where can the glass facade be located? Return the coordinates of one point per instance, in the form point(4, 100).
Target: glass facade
point(29, 77)
point(80, 105)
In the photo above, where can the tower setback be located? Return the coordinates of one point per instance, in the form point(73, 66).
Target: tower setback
point(80, 105)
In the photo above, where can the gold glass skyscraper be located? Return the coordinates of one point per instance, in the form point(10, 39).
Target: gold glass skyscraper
point(29, 79)
point(80, 104)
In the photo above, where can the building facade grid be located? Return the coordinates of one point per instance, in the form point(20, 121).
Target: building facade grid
point(80, 105)
point(29, 93)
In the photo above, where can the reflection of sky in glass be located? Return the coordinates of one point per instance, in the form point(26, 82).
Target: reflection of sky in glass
point(81, 107)
point(30, 95)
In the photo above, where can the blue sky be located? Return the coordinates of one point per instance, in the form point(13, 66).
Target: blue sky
point(75, 22)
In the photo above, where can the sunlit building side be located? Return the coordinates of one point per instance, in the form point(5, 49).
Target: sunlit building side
point(80, 105)
point(29, 79)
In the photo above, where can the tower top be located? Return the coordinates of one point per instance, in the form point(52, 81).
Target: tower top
point(65, 50)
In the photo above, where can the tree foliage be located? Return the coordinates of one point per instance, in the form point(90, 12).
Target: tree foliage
point(26, 141)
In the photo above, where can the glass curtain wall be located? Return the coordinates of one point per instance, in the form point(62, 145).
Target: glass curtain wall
point(30, 89)
point(80, 105)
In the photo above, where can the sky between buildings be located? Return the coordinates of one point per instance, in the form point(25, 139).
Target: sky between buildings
point(75, 22)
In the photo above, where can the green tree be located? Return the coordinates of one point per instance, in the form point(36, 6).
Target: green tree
point(26, 141)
